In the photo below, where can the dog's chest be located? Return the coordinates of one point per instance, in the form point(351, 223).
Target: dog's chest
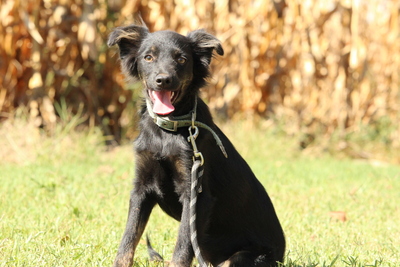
point(162, 145)
point(167, 159)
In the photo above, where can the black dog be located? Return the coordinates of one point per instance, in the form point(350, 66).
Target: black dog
point(236, 221)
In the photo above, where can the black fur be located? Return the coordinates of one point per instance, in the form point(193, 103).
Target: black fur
point(236, 221)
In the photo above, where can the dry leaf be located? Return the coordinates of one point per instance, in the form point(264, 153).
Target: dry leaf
point(338, 215)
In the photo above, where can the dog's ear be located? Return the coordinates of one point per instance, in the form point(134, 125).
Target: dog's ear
point(128, 39)
point(204, 45)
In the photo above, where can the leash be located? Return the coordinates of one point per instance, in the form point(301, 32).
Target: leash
point(198, 162)
point(197, 172)
point(195, 189)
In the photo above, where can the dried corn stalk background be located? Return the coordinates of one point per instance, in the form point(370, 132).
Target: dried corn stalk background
point(319, 66)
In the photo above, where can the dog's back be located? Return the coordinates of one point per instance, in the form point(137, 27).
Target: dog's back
point(243, 215)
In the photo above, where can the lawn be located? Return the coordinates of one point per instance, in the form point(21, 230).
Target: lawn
point(64, 197)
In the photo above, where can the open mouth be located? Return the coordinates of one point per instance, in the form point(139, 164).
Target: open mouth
point(163, 101)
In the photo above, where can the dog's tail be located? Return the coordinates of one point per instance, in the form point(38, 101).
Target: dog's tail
point(154, 256)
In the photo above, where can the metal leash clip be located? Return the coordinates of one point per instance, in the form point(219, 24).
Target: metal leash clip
point(192, 139)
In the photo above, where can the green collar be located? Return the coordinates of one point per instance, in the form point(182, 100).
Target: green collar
point(173, 123)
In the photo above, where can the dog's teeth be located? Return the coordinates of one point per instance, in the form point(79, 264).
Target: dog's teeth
point(172, 95)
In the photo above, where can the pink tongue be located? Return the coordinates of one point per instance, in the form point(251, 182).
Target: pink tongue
point(162, 102)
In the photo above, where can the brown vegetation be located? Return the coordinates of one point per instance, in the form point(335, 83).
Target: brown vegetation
point(318, 66)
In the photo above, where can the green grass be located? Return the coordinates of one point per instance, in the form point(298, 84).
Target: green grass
point(64, 197)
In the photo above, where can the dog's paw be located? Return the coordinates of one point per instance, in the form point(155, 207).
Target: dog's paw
point(176, 264)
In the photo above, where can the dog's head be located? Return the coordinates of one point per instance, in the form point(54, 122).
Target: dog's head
point(171, 66)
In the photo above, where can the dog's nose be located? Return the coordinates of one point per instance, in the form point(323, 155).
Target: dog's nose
point(163, 80)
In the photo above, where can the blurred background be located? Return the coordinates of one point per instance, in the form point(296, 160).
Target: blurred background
point(319, 69)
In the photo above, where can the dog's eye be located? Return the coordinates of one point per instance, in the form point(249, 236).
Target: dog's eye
point(181, 60)
point(148, 58)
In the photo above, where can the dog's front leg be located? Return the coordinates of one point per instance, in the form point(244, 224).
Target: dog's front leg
point(183, 253)
point(140, 207)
